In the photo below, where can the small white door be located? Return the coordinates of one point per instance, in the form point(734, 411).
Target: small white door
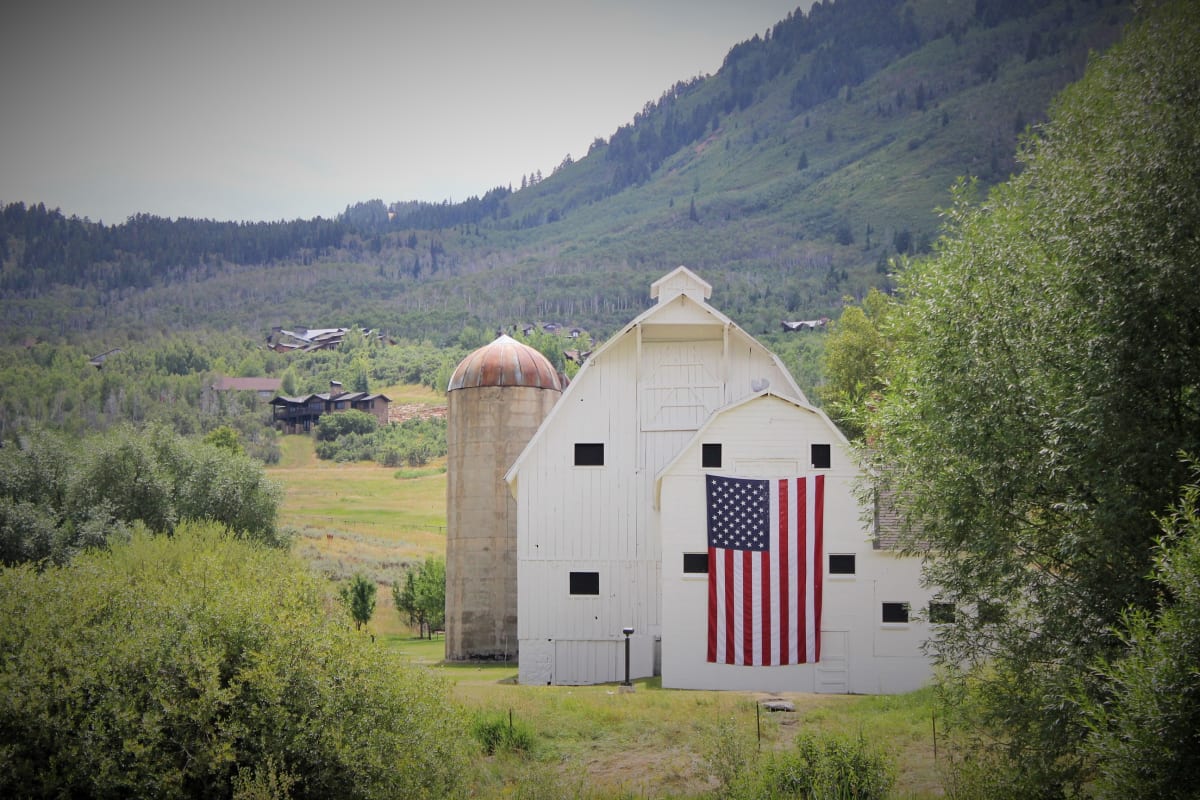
point(833, 670)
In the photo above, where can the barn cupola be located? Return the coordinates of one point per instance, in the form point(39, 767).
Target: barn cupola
point(679, 281)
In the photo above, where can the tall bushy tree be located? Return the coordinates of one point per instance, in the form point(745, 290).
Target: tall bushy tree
point(853, 360)
point(422, 595)
point(1047, 376)
point(1144, 730)
point(359, 597)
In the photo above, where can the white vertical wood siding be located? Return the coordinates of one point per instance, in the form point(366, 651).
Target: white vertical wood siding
point(769, 437)
point(643, 396)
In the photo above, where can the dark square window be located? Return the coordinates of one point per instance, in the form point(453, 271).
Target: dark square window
point(710, 455)
point(990, 612)
point(895, 612)
point(820, 456)
point(585, 583)
point(589, 454)
point(941, 612)
point(695, 563)
point(841, 563)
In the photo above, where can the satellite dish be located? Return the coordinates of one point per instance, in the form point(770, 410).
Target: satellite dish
point(758, 384)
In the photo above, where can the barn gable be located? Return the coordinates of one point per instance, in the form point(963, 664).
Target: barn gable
point(772, 437)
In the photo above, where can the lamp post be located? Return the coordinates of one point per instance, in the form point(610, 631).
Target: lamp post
point(628, 632)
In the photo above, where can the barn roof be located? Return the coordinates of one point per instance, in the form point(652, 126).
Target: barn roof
point(680, 307)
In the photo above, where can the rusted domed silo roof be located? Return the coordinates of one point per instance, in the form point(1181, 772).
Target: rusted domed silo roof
point(505, 362)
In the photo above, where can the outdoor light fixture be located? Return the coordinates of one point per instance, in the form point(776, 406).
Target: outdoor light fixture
point(628, 631)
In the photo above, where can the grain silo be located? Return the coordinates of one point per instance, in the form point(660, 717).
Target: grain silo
point(497, 399)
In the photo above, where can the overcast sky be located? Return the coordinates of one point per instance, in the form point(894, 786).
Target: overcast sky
point(278, 109)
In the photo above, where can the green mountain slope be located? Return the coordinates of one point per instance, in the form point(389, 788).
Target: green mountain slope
point(788, 180)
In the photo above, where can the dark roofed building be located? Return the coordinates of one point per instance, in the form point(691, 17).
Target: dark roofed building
point(299, 414)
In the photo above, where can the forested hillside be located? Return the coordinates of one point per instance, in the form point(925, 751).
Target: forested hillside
point(818, 152)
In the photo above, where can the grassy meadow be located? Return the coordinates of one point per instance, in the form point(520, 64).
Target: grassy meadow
point(587, 741)
point(361, 517)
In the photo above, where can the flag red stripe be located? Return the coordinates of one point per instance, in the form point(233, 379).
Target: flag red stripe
point(764, 562)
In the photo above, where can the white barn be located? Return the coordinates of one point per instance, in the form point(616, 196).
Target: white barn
point(613, 517)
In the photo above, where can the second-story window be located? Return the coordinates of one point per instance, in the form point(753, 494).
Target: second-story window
point(589, 454)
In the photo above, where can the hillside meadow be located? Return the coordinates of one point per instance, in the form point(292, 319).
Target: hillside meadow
point(586, 741)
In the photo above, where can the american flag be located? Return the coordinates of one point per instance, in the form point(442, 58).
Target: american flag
point(764, 570)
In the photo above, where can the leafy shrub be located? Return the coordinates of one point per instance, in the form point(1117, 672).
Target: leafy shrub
point(829, 767)
point(202, 666)
point(350, 447)
point(497, 734)
point(728, 752)
point(413, 443)
point(817, 768)
point(335, 425)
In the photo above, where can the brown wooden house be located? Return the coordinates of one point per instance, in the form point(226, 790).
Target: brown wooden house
point(299, 414)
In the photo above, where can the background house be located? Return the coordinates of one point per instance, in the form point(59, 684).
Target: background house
point(299, 414)
point(609, 496)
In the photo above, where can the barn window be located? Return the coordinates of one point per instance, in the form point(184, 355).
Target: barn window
point(585, 583)
point(841, 563)
point(895, 612)
point(710, 455)
point(589, 454)
point(820, 456)
point(990, 612)
point(695, 563)
point(941, 613)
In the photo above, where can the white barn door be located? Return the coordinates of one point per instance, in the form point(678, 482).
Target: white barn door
point(833, 670)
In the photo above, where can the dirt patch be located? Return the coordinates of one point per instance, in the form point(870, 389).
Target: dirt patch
point(406, 411)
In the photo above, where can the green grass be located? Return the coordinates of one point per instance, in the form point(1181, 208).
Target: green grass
point(410, 394)
point(362, 498)
point(361, 517)
point(656, 742)
point(600, 742)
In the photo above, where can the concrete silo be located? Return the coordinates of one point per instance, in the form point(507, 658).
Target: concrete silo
point(497, 399)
